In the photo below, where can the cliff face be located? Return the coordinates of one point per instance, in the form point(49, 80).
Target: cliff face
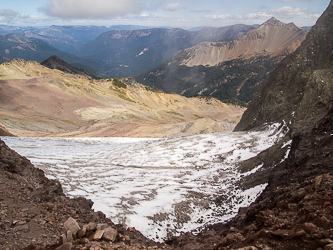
point(299, 91)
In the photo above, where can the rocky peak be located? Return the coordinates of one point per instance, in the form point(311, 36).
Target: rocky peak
point(272, 21)
point(54, 62)
point(299, 91)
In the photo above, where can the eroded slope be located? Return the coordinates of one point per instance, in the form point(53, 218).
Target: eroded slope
point(37, 101)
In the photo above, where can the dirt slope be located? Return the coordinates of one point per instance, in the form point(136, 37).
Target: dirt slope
point(37, 101)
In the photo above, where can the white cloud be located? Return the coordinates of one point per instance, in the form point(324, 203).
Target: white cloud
point(289, 12)
point(291, 1)
point(219, 17)
point(285, 13)
point(88, 9)
point(8, 13)
point(174, 7)
point(201, 11)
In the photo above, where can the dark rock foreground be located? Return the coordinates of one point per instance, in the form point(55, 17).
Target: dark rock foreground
point(34, 212)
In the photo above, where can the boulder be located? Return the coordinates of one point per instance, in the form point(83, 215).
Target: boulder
point(101, 226)
point(69, 236)
point(71, 225)
point(91, 226)
point(82, 231)
point(97, 235)
point(110, 234)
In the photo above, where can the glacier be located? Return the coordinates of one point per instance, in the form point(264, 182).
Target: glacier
point(162, 187)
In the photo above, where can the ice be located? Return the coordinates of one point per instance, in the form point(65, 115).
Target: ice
point(161, 187)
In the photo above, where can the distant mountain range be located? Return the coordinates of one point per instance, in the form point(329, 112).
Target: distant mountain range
point(65, 38)
point(229, 71)
point(228, 63)
point(132, 52)
point(19, 46)
point(111, 51)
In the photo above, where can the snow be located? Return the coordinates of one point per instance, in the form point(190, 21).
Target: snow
point(161, 187)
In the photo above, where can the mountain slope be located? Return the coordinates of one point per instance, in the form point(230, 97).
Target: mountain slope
point(131, 52)
point(54, 62)
point(229, 71)
point(65, 38)
point(294, 211)
point(271, 38)
point(299, 91)
point(38, 101)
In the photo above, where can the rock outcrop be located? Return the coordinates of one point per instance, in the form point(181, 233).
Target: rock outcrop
point(299, 91)
point(54, 62)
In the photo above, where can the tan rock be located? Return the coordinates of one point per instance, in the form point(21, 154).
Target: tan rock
point(66, 246)
point(82, 231)
point(91, 226)
point(110, 234)
point(247, 248)
point(101, 226)
point(71, 225)
point(309, 227)
point(62, 239)
point(97, 235)
point(69, 235)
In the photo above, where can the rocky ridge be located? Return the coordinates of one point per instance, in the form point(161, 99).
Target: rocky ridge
point(272, 37)
point(54, 62)
point(231, 71)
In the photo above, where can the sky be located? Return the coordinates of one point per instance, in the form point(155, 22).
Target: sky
point(158, 13)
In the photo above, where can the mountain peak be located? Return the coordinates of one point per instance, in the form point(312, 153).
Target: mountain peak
point(272, 21)
point(54, 62)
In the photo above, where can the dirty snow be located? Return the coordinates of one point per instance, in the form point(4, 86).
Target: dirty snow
point(162, 187)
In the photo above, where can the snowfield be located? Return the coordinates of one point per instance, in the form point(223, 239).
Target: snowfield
point(162, 187)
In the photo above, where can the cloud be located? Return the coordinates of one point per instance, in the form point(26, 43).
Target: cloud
point(219, 17)
point(7, 16)
point(284, 13)
point(88, 9)
point(174, 7)
point(291, 1)
point(201, 11)
point(289, 12)
point(8, 13)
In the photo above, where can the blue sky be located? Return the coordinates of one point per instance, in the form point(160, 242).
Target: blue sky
point(157, 13)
